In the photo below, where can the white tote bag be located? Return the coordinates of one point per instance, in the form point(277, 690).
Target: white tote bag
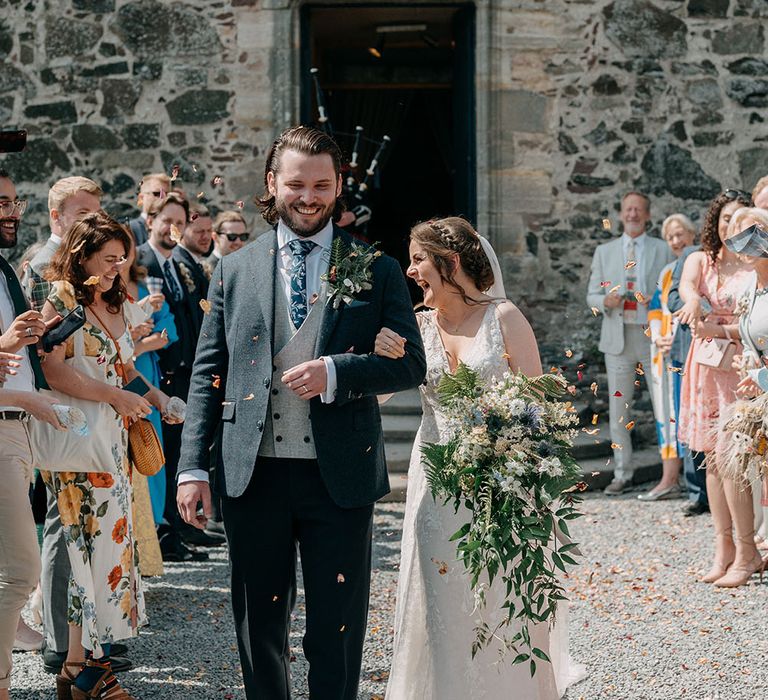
point(64, 451)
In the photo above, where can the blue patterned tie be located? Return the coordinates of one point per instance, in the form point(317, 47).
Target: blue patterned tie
point(171, 282)
point(300, 250)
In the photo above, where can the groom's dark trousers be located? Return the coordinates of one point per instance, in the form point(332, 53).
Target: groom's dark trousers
point(287, 504)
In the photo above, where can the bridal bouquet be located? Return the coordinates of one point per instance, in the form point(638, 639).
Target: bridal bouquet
point(509, 465)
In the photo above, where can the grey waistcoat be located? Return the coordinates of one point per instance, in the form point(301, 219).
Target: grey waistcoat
point(288, 430)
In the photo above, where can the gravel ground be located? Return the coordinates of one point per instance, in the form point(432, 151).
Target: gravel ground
point(639, 620)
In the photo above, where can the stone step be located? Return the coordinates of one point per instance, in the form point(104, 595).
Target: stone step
point(403, 403)
point(400, 427)
point(398, 454)
point(591, 446)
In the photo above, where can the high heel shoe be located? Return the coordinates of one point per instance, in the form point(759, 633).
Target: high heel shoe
point(101, 690)
point(66, 679)
point(739, 576)
point(719, 569)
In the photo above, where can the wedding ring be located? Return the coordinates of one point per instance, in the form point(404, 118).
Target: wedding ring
point(305, 389)
point(29, 332)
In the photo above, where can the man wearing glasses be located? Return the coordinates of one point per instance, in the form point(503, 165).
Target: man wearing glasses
point(230, 233)
point(153, 187)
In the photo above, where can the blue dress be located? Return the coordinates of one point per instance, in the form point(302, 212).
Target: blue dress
point(148, 364)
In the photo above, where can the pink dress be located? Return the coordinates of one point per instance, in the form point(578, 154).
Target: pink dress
point(706, 391)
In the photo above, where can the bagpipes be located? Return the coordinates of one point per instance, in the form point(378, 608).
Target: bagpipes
point(354, 190)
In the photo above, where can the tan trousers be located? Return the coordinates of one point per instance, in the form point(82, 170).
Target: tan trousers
point(19, 553)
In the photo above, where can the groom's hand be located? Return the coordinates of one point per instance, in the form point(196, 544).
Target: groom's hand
point(188, 495)
point(307, 380)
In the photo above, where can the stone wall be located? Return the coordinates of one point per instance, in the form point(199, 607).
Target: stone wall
point(577, 101)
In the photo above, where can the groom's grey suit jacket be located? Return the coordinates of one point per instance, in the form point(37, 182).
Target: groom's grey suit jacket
point(232, 375)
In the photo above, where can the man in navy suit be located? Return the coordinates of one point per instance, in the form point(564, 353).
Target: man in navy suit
point(152, 188)
point(302, 449)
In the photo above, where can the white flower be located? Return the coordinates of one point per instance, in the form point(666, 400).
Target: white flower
point(516, 407)
point(552, 466)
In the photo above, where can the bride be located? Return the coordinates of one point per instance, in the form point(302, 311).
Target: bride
point(469, 321)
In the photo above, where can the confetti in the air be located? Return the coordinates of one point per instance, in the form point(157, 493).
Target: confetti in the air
point(595, 311)
point(175, 172)
point(216, 383)
point(607, 224)
point(175, 233)
point(205, 305)
point(630, 425)
point(630, 264)
point(93, 279)
point(216, 180)
point(239, 203)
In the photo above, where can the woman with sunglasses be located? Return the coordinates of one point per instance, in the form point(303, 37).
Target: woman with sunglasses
point(718, 275)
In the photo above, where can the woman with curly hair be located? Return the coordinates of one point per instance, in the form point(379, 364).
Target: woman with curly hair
point(106, 602)
point(710, 382)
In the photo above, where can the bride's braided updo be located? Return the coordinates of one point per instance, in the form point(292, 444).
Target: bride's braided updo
point(441, 239)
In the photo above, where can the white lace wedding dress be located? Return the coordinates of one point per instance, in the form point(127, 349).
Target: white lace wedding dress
point(435, 614)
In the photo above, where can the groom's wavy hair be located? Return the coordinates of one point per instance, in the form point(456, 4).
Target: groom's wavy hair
point(309, 142)
point(441, 239)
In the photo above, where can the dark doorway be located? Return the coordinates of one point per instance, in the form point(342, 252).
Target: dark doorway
point(407, 71)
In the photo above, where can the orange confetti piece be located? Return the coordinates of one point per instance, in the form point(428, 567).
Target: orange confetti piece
point(614, 289)
point(630, 425)
point(616, 446)
point(595, 310)
point(569, 353)
point(205, 305)
point(250, 397)
point(630, 264)
point(595, 418)
point(606, 224)
point(216, 381)
point(593, 388)
point(618, 393)
point(78, 247)
point(640, 297)
point(647, 332)
point(340, 578)
point(93, 279)
point(442, 567)
point(175, 233)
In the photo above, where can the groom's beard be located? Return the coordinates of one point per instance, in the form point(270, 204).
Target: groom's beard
point(300, 225)
point(8, 232)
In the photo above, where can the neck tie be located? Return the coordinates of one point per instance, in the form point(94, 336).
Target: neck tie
point(20, 306)
point(300, 250)
point(630, 279)
point(170, 280)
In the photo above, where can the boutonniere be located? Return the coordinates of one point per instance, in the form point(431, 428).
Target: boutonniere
point(186, 275)
point(350, 271)
point(741, 306)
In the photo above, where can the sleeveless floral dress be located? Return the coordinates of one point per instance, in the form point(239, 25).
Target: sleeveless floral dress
point(435, 612)
point(105, 592)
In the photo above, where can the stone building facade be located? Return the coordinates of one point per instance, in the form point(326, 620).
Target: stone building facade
point(574, 102)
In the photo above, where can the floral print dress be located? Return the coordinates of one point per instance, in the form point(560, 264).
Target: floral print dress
point(105, 593)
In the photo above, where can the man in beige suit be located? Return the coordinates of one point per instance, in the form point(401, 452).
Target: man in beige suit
point(622, 281)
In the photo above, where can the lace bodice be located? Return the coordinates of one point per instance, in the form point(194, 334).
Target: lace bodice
point(487, 356)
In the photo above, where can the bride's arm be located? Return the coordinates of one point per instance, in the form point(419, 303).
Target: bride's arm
point(519, 341)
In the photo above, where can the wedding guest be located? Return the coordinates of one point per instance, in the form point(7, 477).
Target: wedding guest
point(753, 329)
point(623, 277)
point(106, 601)
point(710, 382)
point(69, 199)
point(166, 219)
point(194, 247)
point(230, 233)
point(20, 376)
point(760, 193)
point(678, 231)
point(153, 187)
point(153, 328)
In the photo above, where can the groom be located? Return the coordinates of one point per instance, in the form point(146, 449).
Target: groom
point(292, 381)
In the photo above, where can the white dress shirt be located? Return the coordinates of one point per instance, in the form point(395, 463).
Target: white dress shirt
point(161, 259)
point(24, 379)
point(626, 241)
point(317, 265)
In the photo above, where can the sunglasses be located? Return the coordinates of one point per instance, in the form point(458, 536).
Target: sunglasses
point(9, 206)
point(232, 237)
point(738, 194)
